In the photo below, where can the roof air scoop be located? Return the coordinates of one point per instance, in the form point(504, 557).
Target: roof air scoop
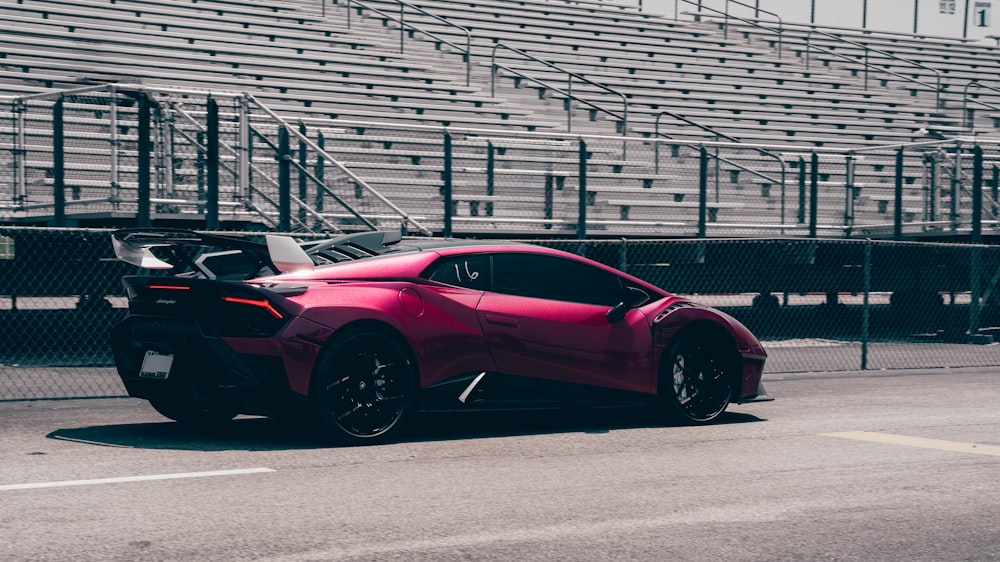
point(287, 255)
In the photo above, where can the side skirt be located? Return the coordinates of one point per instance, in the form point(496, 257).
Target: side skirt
point(497, 391)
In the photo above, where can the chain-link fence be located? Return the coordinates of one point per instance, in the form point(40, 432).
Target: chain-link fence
point(817, 305)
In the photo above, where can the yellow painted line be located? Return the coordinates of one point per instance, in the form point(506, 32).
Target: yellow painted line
point(938, 444)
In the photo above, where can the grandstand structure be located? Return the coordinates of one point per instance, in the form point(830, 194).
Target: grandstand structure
point(566, 118)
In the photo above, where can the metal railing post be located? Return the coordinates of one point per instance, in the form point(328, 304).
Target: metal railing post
point(318, 171)
point(402, 27)
point(849, 191)
point(897, 212)
point(303, 180)
point(702, 190)
point(956, 188)
point(142, 215)
point(977, 195)
point(491, 177)
point(803, 201)
point(212, 169)
point(243, 150)
point(569, 104)
point(20, 156)
point(284, 180)
point(446, 175)
point(725, 30)
point(581, 216)
point(995, 192)
point(113, 145)
point(201, 162)
point(813, 194)
point(58, 163)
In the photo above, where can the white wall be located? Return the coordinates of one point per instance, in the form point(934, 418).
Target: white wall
point(932, 17)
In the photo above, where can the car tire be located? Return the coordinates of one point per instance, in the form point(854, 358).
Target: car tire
point(180, 403)
point(697, 378)
point(364, 387)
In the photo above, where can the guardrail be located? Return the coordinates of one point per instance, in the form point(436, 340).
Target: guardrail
point(966, 120)
point(868, 65)
point(404, 25)
point(718, 158)
point(727, 16)
point(568, 92)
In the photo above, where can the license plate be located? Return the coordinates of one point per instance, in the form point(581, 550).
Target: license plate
point(156, 365)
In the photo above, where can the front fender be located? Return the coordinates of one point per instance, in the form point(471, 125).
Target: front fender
point(682, 314)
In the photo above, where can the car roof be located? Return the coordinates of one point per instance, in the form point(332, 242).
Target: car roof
point(408, 259)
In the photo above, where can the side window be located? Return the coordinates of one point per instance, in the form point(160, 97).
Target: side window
point(471, 272)
point(554, 278)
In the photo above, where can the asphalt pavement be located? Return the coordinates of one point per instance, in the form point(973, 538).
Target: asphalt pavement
point(885, 465)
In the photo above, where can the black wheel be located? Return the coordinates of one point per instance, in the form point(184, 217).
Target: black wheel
point(697, 378)
point(364, 387)
point(181, 404)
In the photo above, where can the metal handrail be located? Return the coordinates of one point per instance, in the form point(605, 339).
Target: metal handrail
point(403, 26)
point(623, 117)
point(867, 64)
point(965, 100)
point(293, 131)
point(762, 151)
point(779, 32)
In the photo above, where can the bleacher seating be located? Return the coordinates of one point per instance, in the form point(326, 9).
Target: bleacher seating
point(383, 109)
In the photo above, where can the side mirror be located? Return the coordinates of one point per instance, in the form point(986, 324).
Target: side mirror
point(632, 298)
point(617, 312)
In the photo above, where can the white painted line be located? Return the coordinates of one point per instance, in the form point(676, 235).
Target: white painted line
point(121, 479)
point(938, 444)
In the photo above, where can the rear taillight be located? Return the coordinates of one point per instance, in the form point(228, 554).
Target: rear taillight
point(263, 303)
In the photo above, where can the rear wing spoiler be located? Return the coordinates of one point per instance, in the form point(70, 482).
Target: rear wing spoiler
point(187, 249)
point(214, 255)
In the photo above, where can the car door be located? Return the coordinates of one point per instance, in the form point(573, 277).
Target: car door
point(452, 342)
point(545, 317)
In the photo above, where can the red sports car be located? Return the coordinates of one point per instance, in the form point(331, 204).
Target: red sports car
point(361, 330)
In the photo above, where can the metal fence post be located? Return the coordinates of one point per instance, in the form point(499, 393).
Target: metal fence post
point(212, 169)
point(975, 267)
point(581, 228)
point(956, 188)
point(547, 209)
point(142, 215)
point(58, 163)
point(977, 195)
point(975, 288)
point(446, 176)
point(931, 186)
point(319, 170)
point(813, 193)
point(200, 162)
point(490, 175)
point(284, 181)
point(995, 191)
point(866, 308)
point(897, 212)
point(113, 145)
point(20, 155)
point(303, 183)
point(849, 191)
point(702, 190)
point(802, 190)
point(243, 156)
